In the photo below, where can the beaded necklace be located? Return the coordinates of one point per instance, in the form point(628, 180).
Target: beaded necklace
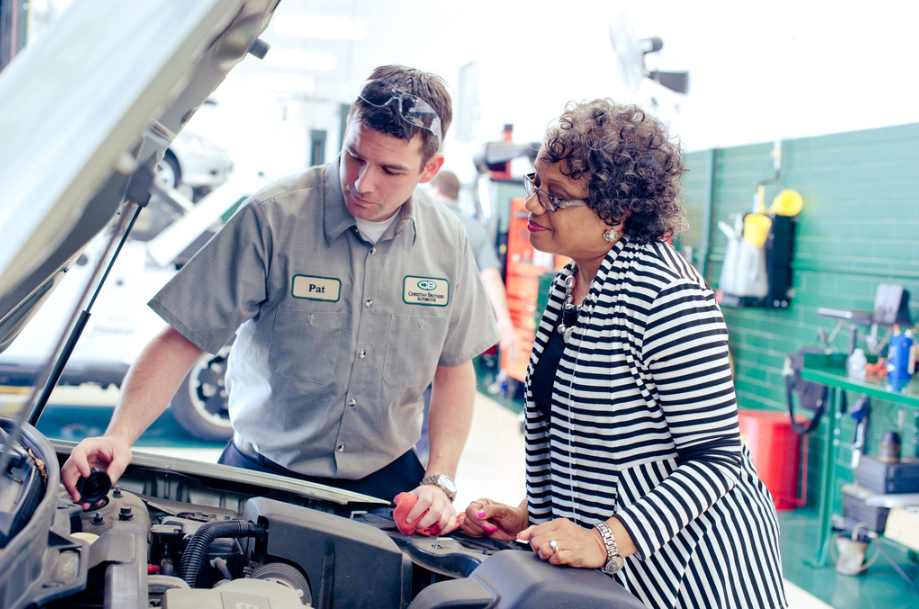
point(569, 310)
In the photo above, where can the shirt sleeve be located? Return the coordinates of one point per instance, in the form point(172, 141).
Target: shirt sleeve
point(222, 286)
point(685, 351)
point(472, 327)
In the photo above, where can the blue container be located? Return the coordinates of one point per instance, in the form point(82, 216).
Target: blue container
point(898, 357)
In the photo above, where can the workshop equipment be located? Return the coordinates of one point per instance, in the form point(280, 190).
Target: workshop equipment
point(744, 269)
point(777, 455)
point(811, 396)
point(757, 225)
point(860, 504)
point(857, 364)
point(851, 548)
point(863, 505)
point(860, 412)
point(899, 477)
point(525, 268)
point(499, 197)
point(889, 448)
point(787, 203)
point(757, 261)
point(898, 358)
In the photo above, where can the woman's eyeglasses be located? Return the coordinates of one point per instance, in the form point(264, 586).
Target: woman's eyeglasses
point(549, 202)
point(412, 108)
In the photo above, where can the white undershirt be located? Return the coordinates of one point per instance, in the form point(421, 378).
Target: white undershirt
point(372, 231)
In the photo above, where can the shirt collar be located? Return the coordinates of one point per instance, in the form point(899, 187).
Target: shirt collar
point(603, 273)
point(337, 219)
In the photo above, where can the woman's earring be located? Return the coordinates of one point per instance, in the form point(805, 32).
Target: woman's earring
point(611, 235)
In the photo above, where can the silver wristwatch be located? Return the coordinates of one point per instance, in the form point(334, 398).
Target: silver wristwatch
point(614, 562)
point(446, 484)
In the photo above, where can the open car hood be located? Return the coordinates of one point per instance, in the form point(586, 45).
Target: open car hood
point(96, 100)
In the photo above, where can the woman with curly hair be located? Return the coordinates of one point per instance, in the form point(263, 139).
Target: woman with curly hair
point(634, 460)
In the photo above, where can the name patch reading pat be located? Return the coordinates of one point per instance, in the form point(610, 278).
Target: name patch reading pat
point(316, 288)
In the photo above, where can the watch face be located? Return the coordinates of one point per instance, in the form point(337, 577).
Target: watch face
point(448, 484)
point(615, 564)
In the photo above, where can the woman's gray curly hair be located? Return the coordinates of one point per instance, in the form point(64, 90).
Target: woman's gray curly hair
point(632, 167)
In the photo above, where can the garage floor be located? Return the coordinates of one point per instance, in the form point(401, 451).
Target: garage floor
point(492, 466)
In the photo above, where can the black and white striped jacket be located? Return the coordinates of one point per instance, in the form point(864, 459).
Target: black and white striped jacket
point(644, 427)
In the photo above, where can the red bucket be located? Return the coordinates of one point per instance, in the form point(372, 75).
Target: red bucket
point(776, 452)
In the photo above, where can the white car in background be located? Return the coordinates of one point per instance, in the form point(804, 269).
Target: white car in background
point(193, 165)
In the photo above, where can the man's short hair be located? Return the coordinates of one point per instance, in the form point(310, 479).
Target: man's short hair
point(429, 87)
point(447, 184)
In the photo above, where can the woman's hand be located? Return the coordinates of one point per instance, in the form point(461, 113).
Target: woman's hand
point(487, 518)
point(573, 546)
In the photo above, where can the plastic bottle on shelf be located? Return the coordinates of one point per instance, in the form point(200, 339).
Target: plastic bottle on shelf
point(911, 367)
point(898, 356)
point(855, 364)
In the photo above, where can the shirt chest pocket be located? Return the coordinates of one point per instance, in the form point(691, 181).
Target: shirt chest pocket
point(305, 344)
point(413, 349)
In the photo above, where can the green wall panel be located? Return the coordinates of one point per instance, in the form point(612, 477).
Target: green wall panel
point(859, 228)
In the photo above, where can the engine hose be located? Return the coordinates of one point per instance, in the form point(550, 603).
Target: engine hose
point(196, 550)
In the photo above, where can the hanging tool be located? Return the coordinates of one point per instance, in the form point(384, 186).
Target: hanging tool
point(812, 396)
point(859, 413)
point(757, 224)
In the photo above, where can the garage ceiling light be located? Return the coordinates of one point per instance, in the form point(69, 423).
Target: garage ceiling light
point(314, 26)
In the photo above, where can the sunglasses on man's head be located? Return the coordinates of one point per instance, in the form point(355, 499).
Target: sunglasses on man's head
point(412, 108)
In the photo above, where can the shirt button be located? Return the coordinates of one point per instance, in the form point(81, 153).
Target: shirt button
point(340, 448)
point(352, 402)
point(373, 251)
point(362, 354)
point(369, 302)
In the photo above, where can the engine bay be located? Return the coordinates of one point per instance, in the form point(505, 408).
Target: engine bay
point(175, 533)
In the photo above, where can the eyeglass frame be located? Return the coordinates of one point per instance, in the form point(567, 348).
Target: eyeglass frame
point(401, 95)
point(530, 187)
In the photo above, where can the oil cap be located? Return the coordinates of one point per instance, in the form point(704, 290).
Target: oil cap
point(94, 488)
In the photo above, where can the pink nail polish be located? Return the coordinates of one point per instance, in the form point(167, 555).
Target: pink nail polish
point(480, 514)
point(489, 528)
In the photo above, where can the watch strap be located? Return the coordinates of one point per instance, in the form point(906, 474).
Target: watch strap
point(614, 561)
point(444, 483)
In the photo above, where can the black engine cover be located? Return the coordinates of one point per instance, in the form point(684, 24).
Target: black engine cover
point(349, 563)
point(511, 579)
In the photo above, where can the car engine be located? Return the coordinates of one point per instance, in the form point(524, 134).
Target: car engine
point(182, 534)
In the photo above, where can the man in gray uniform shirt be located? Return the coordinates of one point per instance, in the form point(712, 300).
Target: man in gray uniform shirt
point(348, 291)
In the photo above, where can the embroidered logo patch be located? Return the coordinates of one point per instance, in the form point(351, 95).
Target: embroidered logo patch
point(429, 291)
point(315, 288)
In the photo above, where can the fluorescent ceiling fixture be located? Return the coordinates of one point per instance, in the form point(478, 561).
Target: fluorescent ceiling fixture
point(283, 82)
point(299, 60)
point(310, 26)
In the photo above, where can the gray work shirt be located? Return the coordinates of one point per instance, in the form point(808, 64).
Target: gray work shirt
point(336, 338)
point(479, 241)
